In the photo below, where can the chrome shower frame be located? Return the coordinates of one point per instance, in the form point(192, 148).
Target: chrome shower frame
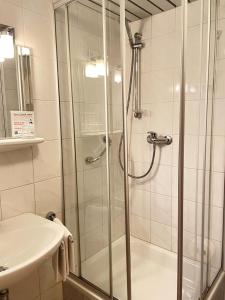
point(78, 281)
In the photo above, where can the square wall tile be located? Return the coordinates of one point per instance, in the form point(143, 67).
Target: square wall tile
point(39, 35)
point(11, 14)
point(164, 52)
point(161, 117)
point(216, 223)
point(191, 151)
point(47, 161)
point(218, 117)
point(17, 201)
point(47, 119)
point(54, 293)
point(48, 196)
point(16, 168)
point(92, 184)
point(161, 209)
point(140, 150)
point(161, 235)
point(94, 242)
point(192, 117)
point(217, 189)
point(42, 7)
point(166, 26)
point(220, 75)
point(28, 288)
point(140, 203)
point(161, 180)
point(94, 214)
point(157, 86)
point(218, 157)
point(44, 78)
point(140, 228)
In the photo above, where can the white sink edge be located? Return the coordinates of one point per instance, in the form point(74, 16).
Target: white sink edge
point(42, 255)
point(21, 270)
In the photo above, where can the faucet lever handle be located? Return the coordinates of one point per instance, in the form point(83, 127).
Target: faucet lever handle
point(153, 138)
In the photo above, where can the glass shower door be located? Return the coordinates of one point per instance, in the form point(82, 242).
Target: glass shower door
point(196, 59)
point(215, 149)
point(90, 86)
point(88, 72)
point(202, 236)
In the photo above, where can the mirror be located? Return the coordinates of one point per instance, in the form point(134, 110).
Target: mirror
point(15, 79)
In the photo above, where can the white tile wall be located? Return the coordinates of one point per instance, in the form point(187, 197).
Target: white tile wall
point(154, 200)
point(152, 197)
point(30, 179)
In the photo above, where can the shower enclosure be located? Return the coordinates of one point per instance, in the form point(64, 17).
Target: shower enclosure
point(141, 86)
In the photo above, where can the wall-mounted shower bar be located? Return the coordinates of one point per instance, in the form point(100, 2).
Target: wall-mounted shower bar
point(137, 84)
point(136, 48)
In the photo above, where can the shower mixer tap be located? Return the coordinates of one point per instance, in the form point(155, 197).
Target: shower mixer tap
point(154, 138)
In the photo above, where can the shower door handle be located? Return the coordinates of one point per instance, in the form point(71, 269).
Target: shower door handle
point(90, 159)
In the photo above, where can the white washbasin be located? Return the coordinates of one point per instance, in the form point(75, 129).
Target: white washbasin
point(25, 242)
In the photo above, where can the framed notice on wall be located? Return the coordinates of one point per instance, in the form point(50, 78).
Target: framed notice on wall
point(22, 123)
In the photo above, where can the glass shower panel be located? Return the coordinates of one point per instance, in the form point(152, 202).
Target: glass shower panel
point(90, 87)
point(153, 199)
point(67, 130)
point(88, 73)
point(199, 69)
point(195, 101)
point(115, 125)
point(194, 222)
point(215, 159)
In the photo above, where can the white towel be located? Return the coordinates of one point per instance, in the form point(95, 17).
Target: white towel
point(63, 261)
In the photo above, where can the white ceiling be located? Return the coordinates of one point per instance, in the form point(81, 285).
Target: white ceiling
point(136, 9)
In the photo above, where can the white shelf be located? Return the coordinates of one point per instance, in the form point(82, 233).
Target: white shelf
point(11, 144)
